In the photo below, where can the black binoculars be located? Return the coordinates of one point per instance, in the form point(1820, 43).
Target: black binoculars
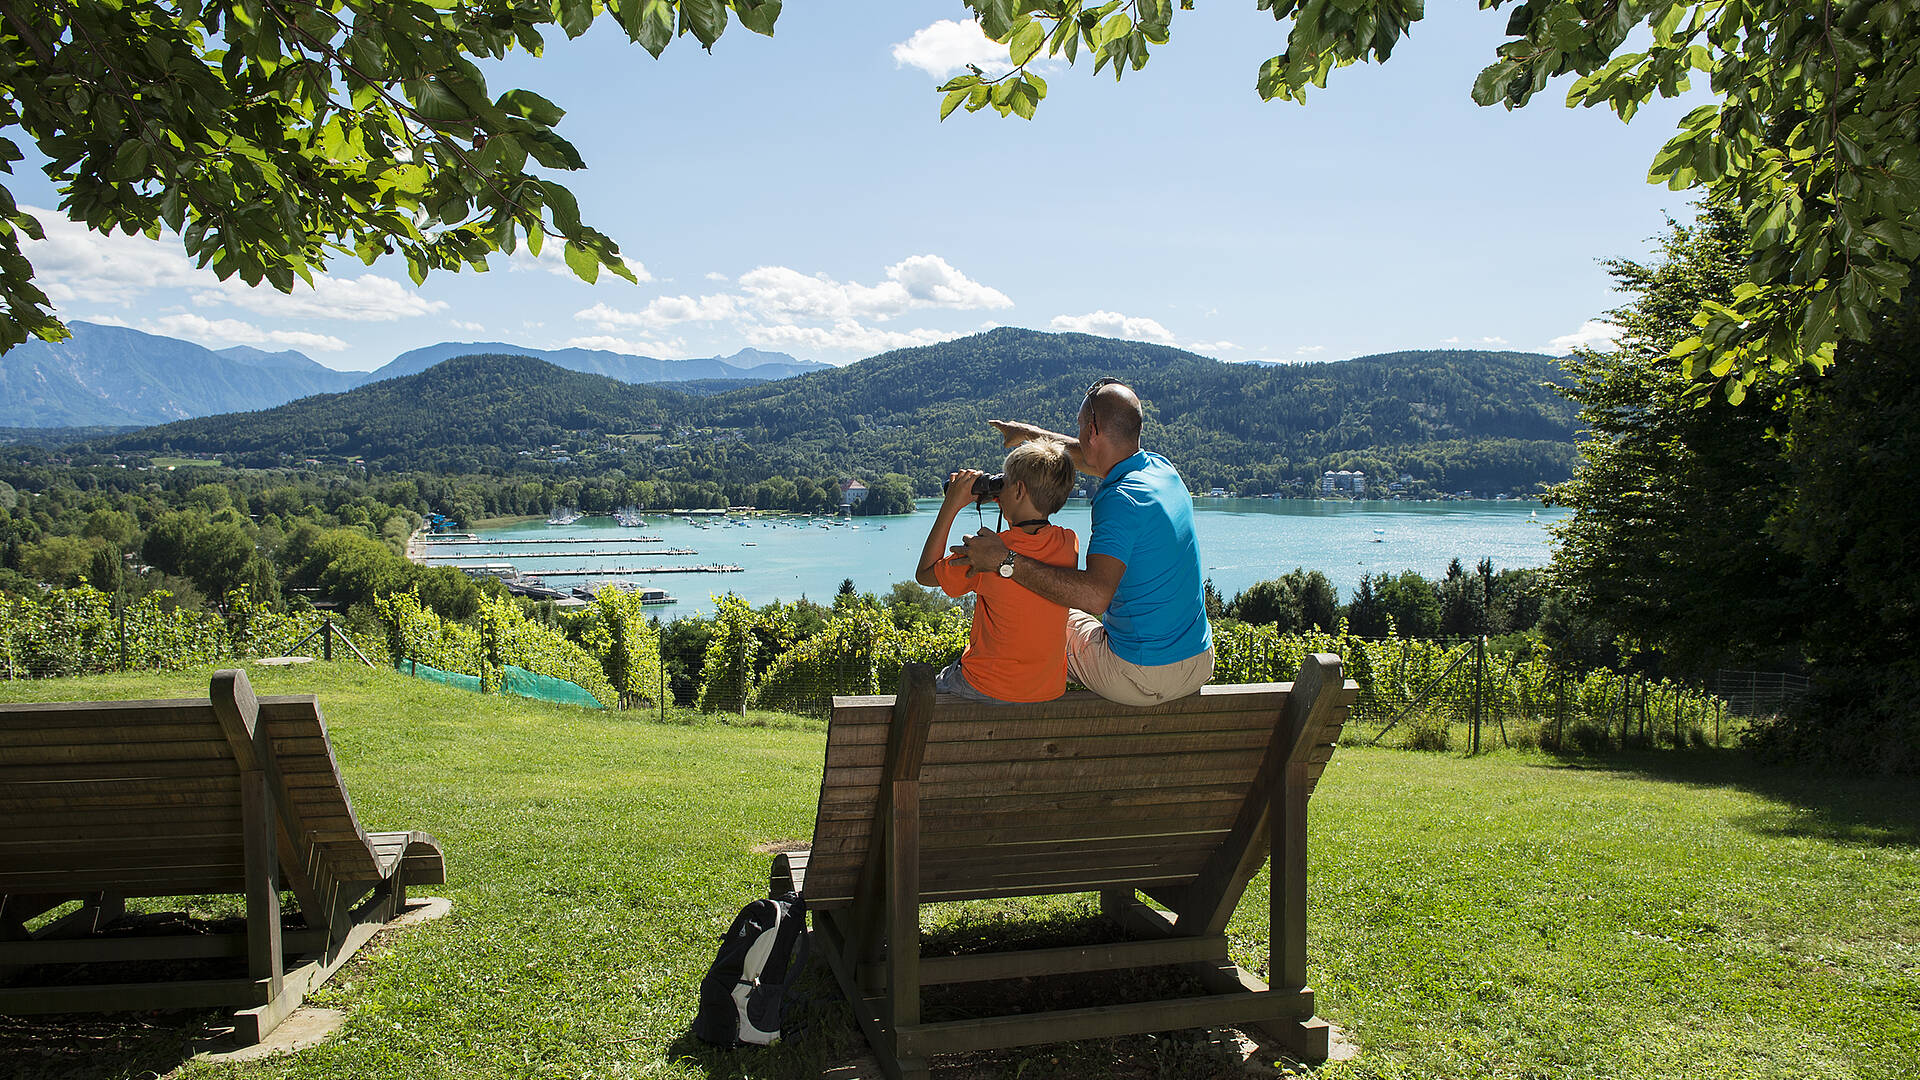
point(985, 486)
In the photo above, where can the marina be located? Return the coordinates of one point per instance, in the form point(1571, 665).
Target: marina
point(432, 559)
point(716, 568)
point(431, 540)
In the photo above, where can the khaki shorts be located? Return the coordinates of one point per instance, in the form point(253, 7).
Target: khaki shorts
point(1091, 662)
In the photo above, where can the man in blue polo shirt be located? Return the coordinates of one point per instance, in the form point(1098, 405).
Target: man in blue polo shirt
point(1143, 564)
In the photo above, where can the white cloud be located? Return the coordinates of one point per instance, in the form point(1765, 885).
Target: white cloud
point(367, 298)
point(948, 46)
point(1114, 324)
point(1493, 341)
point(470, 327)
point(779, 306)
point(74, 261)
point(1209, 347)
point(715, 275)
point(842, 335)
point(235, 332)
point(1309, 350)
point(662, 312)
point(918, 281)
point(1593, 334)
point(930, 282)
point(1454, 340)
point(670, 349)
point(75, 264)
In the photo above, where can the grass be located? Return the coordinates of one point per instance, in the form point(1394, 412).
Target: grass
point(1513, 915)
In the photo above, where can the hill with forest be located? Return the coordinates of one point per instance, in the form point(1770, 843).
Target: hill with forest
point(746, 365)
point(465, 414)
point(1486, 421)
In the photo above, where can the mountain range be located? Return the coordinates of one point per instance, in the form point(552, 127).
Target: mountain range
point(113, 376)
point(1486, 420)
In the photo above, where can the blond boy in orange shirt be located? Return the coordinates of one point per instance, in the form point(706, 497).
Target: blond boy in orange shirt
point(1017, 651)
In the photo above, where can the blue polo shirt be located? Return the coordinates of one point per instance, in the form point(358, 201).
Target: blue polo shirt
point(1143, 516)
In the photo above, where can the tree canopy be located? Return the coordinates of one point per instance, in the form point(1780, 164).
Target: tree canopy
point(1772, 535)
point(271, 135)
point(1814, 136)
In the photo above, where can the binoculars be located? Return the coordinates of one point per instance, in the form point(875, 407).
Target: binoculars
point(985, 486)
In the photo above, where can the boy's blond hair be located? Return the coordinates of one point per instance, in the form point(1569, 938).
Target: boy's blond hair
point(1046, 467)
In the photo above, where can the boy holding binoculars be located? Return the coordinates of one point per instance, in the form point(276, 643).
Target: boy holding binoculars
point(1017, 651)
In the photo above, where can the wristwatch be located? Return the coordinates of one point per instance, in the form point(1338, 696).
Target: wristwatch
point(1006, 568)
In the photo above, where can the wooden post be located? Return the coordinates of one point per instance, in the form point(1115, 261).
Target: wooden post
point(1479, 690)
point(326, 638)
point(239, 714)
point(1287, 891)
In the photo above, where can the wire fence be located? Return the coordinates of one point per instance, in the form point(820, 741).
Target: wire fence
point(1419, 694)
point(83, 631)
point(1415, 693)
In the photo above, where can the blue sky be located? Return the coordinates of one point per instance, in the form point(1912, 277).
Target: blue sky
point(799, 194)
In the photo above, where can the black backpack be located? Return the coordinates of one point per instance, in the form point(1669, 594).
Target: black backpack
point(743, 997)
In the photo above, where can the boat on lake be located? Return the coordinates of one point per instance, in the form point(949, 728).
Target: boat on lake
point(566, 515)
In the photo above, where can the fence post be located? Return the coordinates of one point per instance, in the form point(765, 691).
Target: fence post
point(664, 689)
point(745, 673)
point(326, 638)
point(1479, 688)
point(121, 619)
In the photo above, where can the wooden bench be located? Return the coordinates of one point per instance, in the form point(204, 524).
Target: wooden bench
point(932, 798)
point(105, 800)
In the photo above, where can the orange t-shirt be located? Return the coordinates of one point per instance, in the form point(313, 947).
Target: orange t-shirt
point(1018, 648)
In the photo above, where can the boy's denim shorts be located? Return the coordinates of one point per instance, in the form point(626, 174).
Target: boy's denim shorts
point(952, 681)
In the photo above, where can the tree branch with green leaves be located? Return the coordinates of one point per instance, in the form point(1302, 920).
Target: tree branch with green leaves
point(274, 135)
point(1814, 133)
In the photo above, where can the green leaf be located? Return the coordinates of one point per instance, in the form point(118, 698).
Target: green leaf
point(706, 18)
point(583, 262)
point(952, 101)
point(532, 106)
point(1026, 42)
point(758, 15)
point(1491, 85)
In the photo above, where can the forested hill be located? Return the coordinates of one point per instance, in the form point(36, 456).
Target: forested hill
point(1474, 420)
point(1460, 419)
point(461, 415)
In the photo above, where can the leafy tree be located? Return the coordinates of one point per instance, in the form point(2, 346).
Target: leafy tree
point(1812, 133)
point(61, 560)
point(1297, 601)
point(1669, 537)
point(1412, 602)
point(272, 134)
point(1460, 602)
point(912, 605)
point(218, 557)
point(1366, 613)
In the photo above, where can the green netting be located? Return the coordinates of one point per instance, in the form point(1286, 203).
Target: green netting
point(451, 678)
point(547, 688)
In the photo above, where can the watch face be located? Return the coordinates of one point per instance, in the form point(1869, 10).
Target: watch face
point(1006, 568)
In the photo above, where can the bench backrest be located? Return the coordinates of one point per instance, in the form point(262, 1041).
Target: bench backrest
point(142, 798)
point(1073, 795)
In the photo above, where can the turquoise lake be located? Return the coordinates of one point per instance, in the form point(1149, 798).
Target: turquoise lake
point(1241, 541)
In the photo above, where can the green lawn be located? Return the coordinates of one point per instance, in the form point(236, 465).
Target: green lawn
point(1507, 916)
